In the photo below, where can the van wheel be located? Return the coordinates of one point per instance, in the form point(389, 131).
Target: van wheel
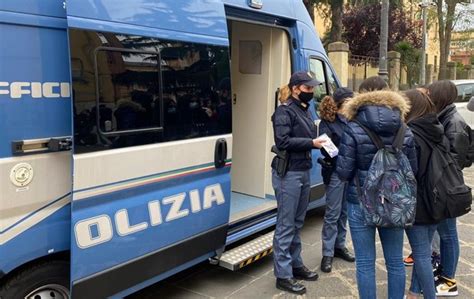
point(45, 280)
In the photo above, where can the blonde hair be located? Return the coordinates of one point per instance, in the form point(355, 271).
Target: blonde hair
point(285, 93)
point(328, 109)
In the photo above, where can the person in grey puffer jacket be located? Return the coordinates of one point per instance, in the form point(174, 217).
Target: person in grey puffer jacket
point(383, 112)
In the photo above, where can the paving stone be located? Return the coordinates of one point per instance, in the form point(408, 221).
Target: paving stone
point(215, 282)
point(329, 287)
point(166, 290)
point(263, 287)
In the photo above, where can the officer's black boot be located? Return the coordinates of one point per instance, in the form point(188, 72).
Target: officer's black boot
point(344, 254)
point(326, 264)
point(304, 273)
point(290, 285)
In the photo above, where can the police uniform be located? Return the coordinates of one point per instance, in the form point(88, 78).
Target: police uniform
point(294, 132)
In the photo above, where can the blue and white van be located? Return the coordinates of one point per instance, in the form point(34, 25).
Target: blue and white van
point(135, 137)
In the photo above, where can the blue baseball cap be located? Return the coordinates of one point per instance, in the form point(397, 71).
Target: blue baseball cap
point(305, 78)
point(342, 94)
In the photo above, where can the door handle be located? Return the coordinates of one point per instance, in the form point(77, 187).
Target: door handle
point(36, 146)
point(220, 153)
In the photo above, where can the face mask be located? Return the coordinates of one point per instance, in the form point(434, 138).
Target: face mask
point(305, 97)
point(172, 110)
point(193, 105)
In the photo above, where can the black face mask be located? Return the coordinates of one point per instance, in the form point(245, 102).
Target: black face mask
point(305, 97)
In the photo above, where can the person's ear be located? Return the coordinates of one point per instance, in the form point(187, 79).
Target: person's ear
point(296, 89)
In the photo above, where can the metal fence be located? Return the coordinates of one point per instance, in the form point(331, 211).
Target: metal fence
point(361, 68)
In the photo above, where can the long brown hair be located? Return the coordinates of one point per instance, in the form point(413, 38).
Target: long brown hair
point(421, 104)
point(443, 93)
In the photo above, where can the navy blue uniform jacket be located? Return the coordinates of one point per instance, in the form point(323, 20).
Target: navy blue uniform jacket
point(294, 132)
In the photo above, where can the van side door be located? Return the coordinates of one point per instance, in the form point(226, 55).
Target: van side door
point(152, 139)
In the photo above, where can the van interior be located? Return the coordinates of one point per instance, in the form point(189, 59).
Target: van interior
point(260, 64)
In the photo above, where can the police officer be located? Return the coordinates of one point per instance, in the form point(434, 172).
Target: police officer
point(295, 136)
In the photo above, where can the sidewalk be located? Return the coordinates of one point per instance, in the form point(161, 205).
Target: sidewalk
point(257, 280)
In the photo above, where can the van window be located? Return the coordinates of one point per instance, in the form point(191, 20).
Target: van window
point(316, 67)
point(332, 82)
point(128, 91)
point(135, 90)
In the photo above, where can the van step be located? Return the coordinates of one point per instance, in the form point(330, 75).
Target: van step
point(247, 253)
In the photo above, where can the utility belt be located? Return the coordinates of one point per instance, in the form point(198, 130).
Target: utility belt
point(283, 157)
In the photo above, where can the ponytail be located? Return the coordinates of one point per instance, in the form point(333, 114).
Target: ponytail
point(285, 93)
point(328, 109)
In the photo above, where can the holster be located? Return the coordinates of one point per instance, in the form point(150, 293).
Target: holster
point(282, 160)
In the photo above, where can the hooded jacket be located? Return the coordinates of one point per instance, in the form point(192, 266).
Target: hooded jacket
point(382, 112)
point(457, 131)
point(428, 132)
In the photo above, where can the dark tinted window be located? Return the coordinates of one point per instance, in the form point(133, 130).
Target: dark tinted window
point(134, 90)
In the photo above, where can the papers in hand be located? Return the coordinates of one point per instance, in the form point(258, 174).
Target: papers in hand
point(329, 146)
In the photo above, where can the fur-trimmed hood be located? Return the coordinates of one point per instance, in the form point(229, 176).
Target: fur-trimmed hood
point(384, 98)
point(381, 111)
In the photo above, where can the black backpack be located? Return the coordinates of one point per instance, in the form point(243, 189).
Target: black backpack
point(444, 192)
point(470, 151)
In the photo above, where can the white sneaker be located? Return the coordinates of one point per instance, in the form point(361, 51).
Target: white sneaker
point(446, 287)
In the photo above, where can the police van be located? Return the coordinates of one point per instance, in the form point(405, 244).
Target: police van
point(135, 137)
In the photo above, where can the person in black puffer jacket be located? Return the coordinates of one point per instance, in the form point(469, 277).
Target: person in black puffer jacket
point(429, 133)
point(334, 230)
point(382, 112)
point(443, 94)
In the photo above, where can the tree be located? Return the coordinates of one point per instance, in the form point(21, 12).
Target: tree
point(335, 10)
point(362, 29)
point(310, 4)
point(410, 60)
point(447, 19)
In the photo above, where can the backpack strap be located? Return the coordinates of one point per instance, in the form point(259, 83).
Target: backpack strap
point(398, 140)
point(375, 139)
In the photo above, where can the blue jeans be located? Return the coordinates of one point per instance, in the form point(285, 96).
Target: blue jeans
point(449, 246)
point(292, 195)
point(422, 279)
point(335, 218)
point(435, 246)
point(363, 237)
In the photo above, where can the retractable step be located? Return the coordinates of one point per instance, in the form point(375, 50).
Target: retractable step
point(247, 253)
